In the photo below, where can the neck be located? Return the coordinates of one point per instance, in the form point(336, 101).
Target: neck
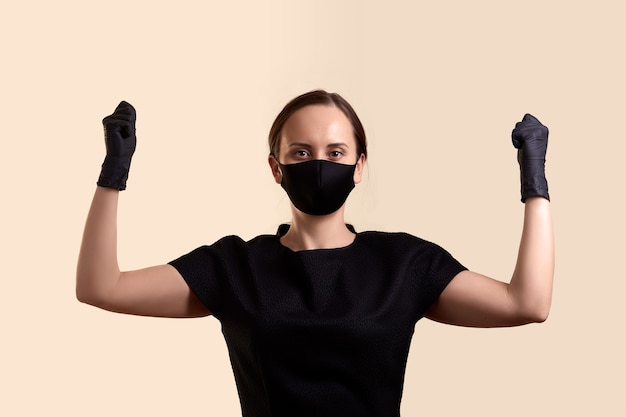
point(309, 232)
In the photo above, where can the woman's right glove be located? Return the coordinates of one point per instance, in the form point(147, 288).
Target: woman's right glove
point(530, 138)
point(120, 140)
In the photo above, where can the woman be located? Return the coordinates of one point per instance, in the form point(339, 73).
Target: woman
point(318, 319)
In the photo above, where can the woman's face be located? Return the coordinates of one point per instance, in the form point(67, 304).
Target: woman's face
point(318, 132)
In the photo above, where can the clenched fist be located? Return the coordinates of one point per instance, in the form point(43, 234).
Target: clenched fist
point(530, 138)
point(120, 140)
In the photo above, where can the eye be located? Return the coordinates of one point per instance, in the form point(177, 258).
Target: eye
point(336, 154)
point(301, 153)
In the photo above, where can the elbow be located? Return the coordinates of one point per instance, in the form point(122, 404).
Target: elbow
point(536, 314)
point(82, 289)
point(532, 306)
point(87, 293)
point(92, 299)
point(85, 296)
point(540, 317)
point(543, 314)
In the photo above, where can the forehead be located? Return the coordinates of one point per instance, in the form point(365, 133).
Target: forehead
point(318, 122)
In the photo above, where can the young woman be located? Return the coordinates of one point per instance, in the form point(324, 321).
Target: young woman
point(318, 318)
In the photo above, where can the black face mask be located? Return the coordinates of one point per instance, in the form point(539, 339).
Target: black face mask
point(317, 187)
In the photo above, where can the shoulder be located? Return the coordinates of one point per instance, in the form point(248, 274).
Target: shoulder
point(398, 240)
point(235, 241)
point(231, 246)
point(404, 247)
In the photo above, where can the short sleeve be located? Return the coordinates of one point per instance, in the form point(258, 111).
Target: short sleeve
point(435, 268)
point(203, 269)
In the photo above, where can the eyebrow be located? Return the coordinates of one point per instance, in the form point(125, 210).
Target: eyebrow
point(330, 145)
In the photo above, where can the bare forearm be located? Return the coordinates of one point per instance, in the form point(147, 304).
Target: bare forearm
point(98, 270)
point(155, 291)
point(531, 284)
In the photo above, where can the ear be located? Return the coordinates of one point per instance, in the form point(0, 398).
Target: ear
point(358, 171)
point(276, 172)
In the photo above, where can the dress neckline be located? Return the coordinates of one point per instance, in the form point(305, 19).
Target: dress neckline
point(283, 228)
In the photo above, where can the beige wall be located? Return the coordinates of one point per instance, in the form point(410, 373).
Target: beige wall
point(439, 86)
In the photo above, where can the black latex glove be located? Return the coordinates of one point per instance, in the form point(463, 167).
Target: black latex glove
point(530, 138)
point(120, 140)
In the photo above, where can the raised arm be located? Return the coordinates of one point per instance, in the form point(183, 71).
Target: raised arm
point(473, 299)
point(155, 291)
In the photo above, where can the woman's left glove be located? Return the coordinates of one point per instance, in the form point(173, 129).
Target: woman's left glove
point(530, 138)
point(120, 140)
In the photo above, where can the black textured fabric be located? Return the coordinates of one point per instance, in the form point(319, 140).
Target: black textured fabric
point(320, 332)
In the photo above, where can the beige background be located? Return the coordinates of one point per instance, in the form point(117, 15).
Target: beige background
point(439, 86)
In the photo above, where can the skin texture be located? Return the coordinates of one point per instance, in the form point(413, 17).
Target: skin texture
point(472, 299)
point(157, 291)
point(319, 132)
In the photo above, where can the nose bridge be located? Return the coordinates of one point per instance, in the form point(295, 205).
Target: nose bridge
point(317, 148)
point(319, 152)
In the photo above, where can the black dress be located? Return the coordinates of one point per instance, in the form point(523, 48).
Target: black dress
point(321, 332)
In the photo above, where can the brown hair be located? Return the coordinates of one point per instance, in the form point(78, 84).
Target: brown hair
point(312, 98)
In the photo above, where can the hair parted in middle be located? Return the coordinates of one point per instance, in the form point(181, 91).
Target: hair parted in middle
point(317, 97)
